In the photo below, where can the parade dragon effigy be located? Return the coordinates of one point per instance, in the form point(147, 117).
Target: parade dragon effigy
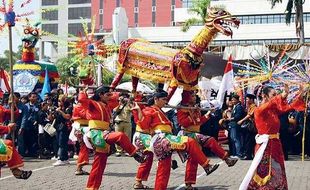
point(145, 60)
point(27, 72)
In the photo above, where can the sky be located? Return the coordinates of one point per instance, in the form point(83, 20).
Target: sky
point(32, 6)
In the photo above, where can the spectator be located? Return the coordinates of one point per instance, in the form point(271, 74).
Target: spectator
point(234, 128)
point(62, 115)
point(122, 118)
point(20, 124)
point(249, 128)
point(42, 121)
point(31, 129)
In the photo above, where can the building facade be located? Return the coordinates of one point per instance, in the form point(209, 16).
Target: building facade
point(140, 13)
point(61, 19)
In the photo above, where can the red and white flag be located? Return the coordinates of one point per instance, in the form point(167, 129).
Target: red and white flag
point(227, 84)
point(4, 83)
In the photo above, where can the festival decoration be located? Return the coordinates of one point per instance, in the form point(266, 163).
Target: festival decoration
point(88, 52)
point(263, 70)
point(28, 64)
point(145, 60)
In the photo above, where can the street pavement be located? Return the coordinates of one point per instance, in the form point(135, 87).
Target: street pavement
point(120, 174)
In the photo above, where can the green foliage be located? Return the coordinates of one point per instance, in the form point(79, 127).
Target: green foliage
point(200, 8)
point(108, 76)
point(63, 66)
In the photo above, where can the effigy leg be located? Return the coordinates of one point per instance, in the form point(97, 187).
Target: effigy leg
point(117, 79)
point(135, 81)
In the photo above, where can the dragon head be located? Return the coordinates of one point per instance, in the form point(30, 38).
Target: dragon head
point(31, 35)
point(221, 20)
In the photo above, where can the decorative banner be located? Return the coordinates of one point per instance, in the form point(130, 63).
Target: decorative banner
point(24, 83)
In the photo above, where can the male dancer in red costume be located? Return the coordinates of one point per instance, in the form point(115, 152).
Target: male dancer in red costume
point(190, 121)
point(79, 118)
point(10, 155)
point(98, 114)
point(142, 139)
point(164, 143)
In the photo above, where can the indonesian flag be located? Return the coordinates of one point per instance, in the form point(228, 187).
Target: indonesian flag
point(227, 82)
point(4, 84)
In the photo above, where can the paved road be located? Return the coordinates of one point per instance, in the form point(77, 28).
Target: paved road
point(120, 174)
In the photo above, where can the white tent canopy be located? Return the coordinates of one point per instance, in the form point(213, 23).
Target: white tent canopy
point(128, 86)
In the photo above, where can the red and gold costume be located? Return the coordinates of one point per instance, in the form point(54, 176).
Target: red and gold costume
point(79, 118)
point(190, 121)
point(164, 143)
point(98, 115)
point(270, 173)
point(11, 157)
point(142, 140)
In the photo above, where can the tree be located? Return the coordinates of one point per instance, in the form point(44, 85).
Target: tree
point(63, 66)
point(299, 21)
point(200, 8)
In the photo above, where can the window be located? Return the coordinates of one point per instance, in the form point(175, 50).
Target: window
point(136, 25)
point(118, 3)
point(172, 15)
point(77, 28)
point(101, 11)
point(153, 17)
point(136, 3)
point(136, 9)
point(153, 3)
point(79, 1)
point(172, 2)
point(101, 27)
point(50, 15)
point(153, 8)
point(49, 2)
point(172, 23)
point(172, 7)
point(153, 24)
point(51, 28)
point(101, 20)
point(136, 17)
point(100, 4)
point(78, 12)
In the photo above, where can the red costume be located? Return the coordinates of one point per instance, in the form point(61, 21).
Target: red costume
point(79, 117)
point(190, 120)
point(99, 114)
point(12, 158)
point(144, 168)
point(164, 143)
point(270, 173)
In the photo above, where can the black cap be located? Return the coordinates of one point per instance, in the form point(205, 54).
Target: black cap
point(251, 96)
point(102, 89)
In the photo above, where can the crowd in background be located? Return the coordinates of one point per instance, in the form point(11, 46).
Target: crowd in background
point(235, 117)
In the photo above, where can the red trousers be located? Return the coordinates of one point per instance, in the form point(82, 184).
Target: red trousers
point(100, 159)
point(16, 160)
point(192, 165)
point(83, 155)
point(164, 166)
point(145, 167)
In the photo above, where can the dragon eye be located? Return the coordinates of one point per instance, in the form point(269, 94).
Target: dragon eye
point(26, 31)
point(35, 32)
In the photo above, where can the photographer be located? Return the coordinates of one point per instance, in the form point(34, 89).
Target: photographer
point(62, 115)
point(122, 119)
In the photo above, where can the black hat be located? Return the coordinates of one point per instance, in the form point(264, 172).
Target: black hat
point(102, 89)
point(236, 96)
point(251, 96)
point(160, 94)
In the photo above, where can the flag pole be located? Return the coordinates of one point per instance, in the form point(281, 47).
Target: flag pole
point(11, 80)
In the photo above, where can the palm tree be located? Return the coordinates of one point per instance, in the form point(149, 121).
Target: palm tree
point(299, 21)
point(200, 8)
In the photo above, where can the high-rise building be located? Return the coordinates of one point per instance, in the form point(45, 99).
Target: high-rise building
point(140, 13)
point(62, 19)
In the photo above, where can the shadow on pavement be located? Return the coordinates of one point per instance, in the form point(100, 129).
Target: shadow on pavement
point(211, 187)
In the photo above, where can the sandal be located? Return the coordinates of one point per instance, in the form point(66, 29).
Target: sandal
point(136, 186)
point(23, 174)
point(190, 187)
point(82, 172)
